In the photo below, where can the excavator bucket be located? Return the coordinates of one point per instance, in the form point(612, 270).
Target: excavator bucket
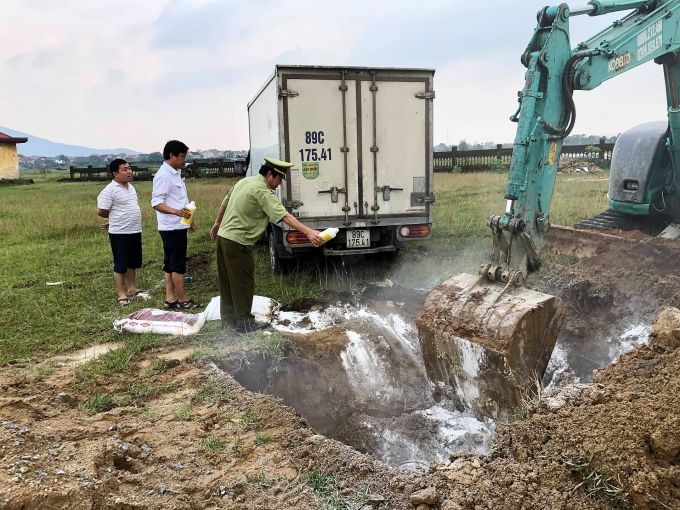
point(483, 344)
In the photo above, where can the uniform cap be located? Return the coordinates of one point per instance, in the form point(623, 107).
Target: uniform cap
point(278, 166)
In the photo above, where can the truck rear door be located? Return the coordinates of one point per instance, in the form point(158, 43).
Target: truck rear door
point(321, 140)
point(396, 148)
point(362, 143)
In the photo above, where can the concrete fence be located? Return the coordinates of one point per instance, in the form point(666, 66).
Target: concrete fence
point(486, 159)
point(192, 171)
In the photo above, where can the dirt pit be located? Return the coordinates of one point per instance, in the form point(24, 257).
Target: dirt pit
point(356, 375)
point(612, 296)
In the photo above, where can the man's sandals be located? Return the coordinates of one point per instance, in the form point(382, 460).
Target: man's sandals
point(182, 305)
point(189, 305)
point(125, 301)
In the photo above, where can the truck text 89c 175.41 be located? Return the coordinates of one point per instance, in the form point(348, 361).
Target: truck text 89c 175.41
point(315, 155)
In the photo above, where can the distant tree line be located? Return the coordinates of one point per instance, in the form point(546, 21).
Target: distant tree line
point(464, 145)
point(95, 160)
point(102, 160)
point(588, 139)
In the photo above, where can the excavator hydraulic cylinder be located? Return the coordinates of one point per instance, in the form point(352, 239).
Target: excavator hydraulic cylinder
point(606, 6)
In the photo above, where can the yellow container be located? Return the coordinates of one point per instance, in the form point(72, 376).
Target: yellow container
point(329, 233)
point(192, 207)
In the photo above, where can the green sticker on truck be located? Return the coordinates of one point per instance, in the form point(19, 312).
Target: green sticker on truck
point(310, 169)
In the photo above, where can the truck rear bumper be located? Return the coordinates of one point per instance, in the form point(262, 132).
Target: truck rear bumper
point(354, 251)
point(381, 236)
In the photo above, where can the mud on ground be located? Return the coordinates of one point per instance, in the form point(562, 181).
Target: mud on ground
point(148, 454)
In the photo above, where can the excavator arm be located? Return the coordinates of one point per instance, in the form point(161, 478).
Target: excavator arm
point(547, 112)
point(488, 336)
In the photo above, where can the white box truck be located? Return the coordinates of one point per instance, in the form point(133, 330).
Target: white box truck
point(360, 140)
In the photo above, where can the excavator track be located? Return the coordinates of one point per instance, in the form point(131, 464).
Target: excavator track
point(611, 220)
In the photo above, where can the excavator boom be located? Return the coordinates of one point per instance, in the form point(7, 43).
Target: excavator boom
point(492, 323)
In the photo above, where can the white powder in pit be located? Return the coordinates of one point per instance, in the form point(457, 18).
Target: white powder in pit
point(367, 371)
point(303, 323)
point(400, 329)
point(455, 433)
point(635, 335)
point(472, 356)
point(557, 365)
point(461, 432)
point(318, 320)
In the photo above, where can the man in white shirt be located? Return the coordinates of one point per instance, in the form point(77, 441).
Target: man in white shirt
point(169, 199)
point(118, 203)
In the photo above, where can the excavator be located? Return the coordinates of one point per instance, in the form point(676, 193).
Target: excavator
point(487, 338)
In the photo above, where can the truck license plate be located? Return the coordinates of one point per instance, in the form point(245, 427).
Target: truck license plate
point(359, 238)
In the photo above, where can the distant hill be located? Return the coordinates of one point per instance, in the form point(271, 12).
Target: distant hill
point(41, 147)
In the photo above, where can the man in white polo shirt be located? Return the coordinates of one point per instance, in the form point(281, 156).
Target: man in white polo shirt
point(169, 198)
point(118, 203)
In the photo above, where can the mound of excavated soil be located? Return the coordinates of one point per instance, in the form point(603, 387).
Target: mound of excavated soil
point(627, 422)
point(576, 166)
point(149, 455)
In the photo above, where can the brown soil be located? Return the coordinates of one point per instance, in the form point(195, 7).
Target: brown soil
point(55, 456)
point(627, 424)
point(635, 235)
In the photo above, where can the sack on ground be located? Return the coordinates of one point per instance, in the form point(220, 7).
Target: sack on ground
point(212, 311)
point(262, 309)
point(161, 322)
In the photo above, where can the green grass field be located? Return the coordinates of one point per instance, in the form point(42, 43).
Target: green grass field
point(50, 232)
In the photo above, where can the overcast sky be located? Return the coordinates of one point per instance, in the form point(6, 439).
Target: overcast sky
point(125, 73)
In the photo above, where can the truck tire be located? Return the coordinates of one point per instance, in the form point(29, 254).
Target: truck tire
point(278, 265)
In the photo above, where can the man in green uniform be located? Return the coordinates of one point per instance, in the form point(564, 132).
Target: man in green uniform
point(241, 220)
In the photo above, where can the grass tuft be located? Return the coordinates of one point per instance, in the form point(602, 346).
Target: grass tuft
point(248, 418)
point(141, 391)
point(270, 342)
point(262, 440)
point(98, 402)
point(182, 414)
point(47, 369)
point(238, 444)
point(212, 444)
point(531, 399)
point(261, 480)
point(212, 391)
point(327, 491)
point(596, 482)
point(158, 366)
